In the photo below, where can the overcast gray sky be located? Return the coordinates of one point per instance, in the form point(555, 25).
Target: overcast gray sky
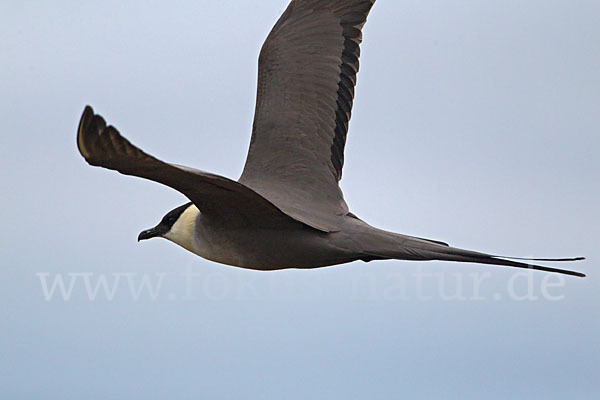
point(476, 123)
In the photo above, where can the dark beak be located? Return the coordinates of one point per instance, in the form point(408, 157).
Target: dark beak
point(148, 234)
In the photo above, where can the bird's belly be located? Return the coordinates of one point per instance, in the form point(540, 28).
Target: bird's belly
point(266, 249)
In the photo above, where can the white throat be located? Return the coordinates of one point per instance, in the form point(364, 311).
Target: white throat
point(183, 230)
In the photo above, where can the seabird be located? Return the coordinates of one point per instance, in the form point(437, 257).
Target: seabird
point(286, 210)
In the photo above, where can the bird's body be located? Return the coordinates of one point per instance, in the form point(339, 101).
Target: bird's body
point(291, 246)
point(286, 210)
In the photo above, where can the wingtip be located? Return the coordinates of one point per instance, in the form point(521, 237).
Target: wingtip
point(86, 116)
point(86, 123)
point(88, 111)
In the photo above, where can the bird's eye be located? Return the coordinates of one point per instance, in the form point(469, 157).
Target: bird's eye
point(170, 220)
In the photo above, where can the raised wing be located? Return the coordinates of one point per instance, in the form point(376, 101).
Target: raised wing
point(103, 146)
point(306, 76)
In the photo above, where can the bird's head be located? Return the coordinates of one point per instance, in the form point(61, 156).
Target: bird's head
point(177, 226)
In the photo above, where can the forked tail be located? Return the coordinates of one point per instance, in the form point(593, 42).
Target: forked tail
point(387, 245)
point(454, 254)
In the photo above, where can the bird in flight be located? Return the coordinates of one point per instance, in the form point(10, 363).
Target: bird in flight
point(286, 210)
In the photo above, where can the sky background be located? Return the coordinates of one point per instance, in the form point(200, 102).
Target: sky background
point(476, 123)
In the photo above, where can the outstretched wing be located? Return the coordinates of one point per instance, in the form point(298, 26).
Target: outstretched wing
point(306, 77)
point(103, 146)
